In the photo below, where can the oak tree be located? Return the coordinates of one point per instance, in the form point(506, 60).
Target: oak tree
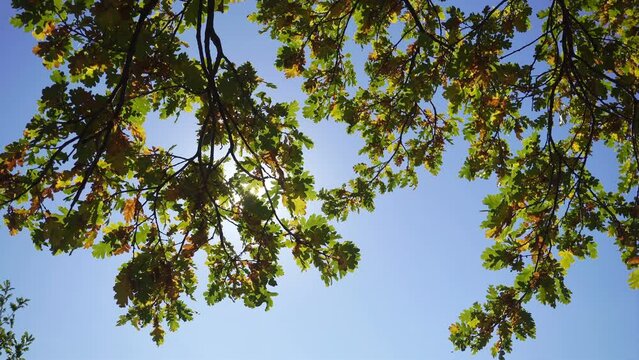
point(534, 95)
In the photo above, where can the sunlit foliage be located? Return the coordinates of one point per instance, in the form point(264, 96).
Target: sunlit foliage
point(532, 101)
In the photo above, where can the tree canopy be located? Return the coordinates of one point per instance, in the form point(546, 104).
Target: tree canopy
point(533, 96)
point(13, 347)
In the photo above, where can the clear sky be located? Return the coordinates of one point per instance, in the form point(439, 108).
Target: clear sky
point(420, 262)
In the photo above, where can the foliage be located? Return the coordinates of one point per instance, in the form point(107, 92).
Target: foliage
point(12, 347)
point(113, 62)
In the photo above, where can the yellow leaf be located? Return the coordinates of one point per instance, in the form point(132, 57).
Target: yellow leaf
point(523, 244)
point(297, 206)
point(38, 36)
point(138, 133)
point(293, 71)
point(491, 232)
point(575, 147)
point(566, 259)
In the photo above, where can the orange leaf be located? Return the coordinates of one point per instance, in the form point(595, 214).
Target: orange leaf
point(130, 206)
point(48, 28)
point(633, 261)
point(122, 249)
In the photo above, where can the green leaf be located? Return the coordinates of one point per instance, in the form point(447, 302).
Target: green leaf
point(158, 335)
point(566, 258)
point(101, 250)
point(633, 279)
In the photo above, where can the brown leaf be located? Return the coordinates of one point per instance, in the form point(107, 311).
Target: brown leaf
point(122, 249)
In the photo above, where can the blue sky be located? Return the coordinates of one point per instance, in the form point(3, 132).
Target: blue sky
point(420, 262)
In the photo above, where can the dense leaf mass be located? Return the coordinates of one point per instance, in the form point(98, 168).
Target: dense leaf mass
point(83, 175)
point(533, 96)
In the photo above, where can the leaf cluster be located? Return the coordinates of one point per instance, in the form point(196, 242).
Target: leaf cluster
point(11, 345)
point(84, 176)
point(577, 71)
